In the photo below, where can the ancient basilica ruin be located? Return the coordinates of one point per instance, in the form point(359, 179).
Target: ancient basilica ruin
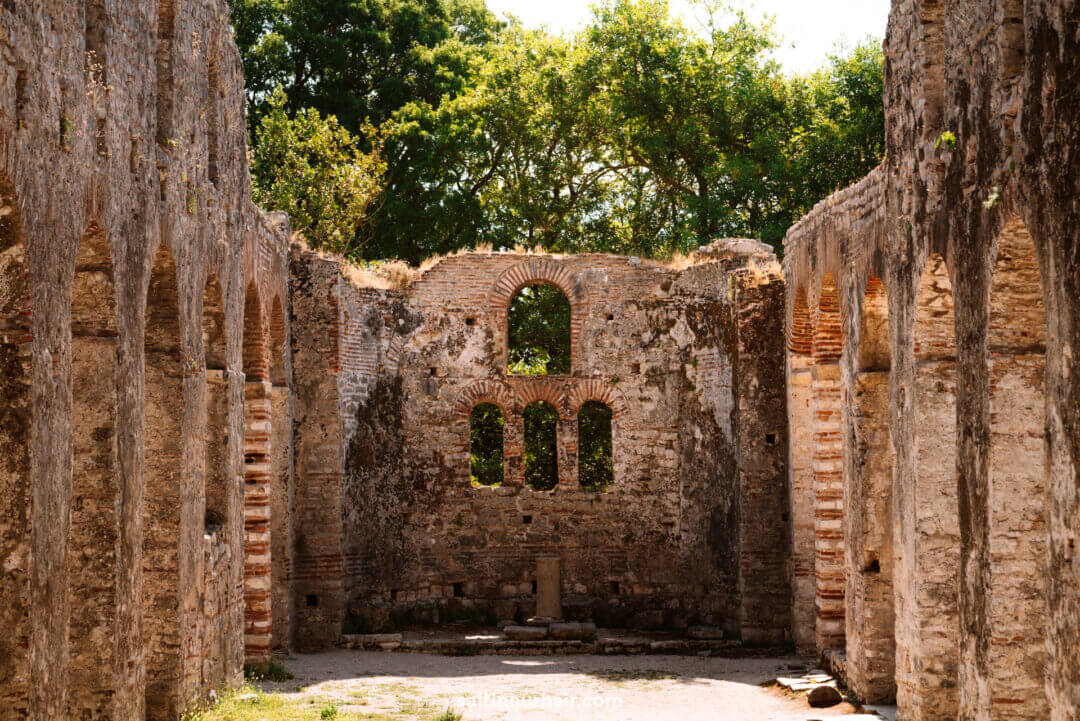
point(216, 443)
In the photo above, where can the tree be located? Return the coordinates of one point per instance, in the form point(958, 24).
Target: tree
point(312, 168)
point(639, 136)
point(359, 60)
point(846, 139)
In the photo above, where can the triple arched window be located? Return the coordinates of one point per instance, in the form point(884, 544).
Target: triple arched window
point(540, 446)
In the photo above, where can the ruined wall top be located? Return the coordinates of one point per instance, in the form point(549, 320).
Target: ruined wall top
point(974, 127)
point(131, 116)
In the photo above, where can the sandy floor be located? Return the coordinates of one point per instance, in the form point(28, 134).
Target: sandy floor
point(562, 688)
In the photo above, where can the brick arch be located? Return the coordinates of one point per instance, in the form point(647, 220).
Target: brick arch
point(828, 331)
point(935, 335)
point(601, 391)
point(538, 388)
point(801, 325)
point(485, 391)
point(394, 351)
point(215, 344)
point(538, 271)
point(163, 304)
point(256, 357)
point(875, 348)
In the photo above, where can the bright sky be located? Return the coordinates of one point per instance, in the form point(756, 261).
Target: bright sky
point(810, 28)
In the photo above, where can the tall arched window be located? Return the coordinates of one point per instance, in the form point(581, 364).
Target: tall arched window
point(595, 469)
point(541, 446)
point(538, 330)
point(486, 444)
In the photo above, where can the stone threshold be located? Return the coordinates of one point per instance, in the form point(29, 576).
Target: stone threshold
point(495, 643)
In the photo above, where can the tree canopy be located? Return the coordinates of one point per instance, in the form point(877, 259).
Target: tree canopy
point(639, 135)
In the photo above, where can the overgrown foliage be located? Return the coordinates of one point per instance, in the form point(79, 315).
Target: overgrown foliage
point(541, 446)
point(595, 469)
point(640, 135)
point(486, 444)
point(538, 325)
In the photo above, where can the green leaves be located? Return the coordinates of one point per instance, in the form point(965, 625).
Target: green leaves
point(486, 444)
point(538, 325)
point(640, 135)
point(310, 167)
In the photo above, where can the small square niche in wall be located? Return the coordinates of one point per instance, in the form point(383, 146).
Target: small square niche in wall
point(470, 322)
point(312, 600)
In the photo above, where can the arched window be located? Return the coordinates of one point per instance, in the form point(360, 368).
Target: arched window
point(486, 444)
point(541, 446)
point(595, 469)
point(538, 328)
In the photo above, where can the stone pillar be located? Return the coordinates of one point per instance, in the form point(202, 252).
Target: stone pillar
point(569, 474)
point(257, 472)
point(164, 390)
point(281, 522)
point(801, 472)
point(828, 508)
point(869, 617)
point(318, 453)
point(926, 507)
point(868, 481)
point(828, 471)
point(1018, 612)
point(548, 587)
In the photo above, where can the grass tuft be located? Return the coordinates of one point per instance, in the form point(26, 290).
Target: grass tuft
point(275, 671)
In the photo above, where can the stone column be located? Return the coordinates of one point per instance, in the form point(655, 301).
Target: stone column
point(281, 522)
point(801, 472)
point(1018, 613)
point(869, 616)
point(828, 471)
point(868, 480)
point(828, 508)
point(925, 502)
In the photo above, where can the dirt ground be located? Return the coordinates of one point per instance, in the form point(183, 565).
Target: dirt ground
point(553, 688)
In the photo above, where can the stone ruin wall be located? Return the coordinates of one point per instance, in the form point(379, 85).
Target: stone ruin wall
point(137, 287)
point(691, 354)
point(943, 287)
